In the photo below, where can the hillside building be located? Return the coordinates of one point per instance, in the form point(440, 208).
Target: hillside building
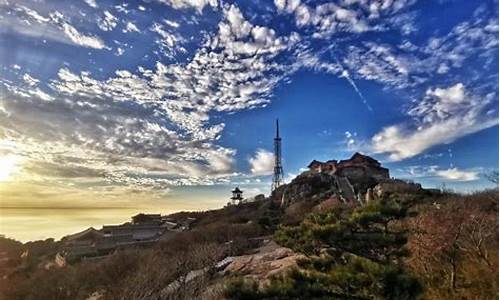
point(358, 166)
point(144, 229)
point(146, 218)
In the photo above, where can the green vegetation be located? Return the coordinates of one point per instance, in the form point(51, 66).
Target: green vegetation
point(351, 254)
point(403, 246)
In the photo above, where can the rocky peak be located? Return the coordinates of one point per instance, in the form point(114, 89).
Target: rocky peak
point(350, 180)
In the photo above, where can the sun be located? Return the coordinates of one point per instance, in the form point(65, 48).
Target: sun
point(8, 165)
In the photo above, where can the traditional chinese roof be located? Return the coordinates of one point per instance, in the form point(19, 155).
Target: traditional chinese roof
point(237, 190)
point(314, 162)
point(359, 158)
point(88, 234)
point(147, 215)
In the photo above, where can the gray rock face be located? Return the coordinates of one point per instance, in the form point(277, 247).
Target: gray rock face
point(305, 186)
point(346, 189)
point(319, 186)
point(356, 180)
point(269, 260)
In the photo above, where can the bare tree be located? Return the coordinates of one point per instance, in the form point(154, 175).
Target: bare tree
point(455, 244)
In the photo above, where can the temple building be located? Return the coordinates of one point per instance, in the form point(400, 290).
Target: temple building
point(143, 230)
point(357, 166)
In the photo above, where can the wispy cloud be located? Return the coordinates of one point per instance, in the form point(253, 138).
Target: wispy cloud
point(156, 120)
point(54, 26)
point(78, 38)
point(443, 116)
point(151, 127)
point(107, 22)
point(91, 3)
point(197, 4)
point(458, 175)
point(434, 171)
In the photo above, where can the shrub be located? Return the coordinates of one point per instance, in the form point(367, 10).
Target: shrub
point(351, 254)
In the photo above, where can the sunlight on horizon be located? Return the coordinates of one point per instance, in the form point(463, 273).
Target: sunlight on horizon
point(9, 164)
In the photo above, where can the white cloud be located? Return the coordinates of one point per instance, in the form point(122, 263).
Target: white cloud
point(91, 3)
point(170, 42)
point(108, 22)
point(462, 43)
point(240, 37)
point(167, 137)
point(331, 18)
point(56, 27)
point(449, 96)
point(435, 172)
point(262, 163)
point(403, 143)
point(412, 65)
point(171, 23)
point(443, 68)
point(380, 63)
point(445, 115)
point(30, 80)
point(131, 27)
point(119, 51)
point(81, 39)
point(350, 139)
point(155, 125)
point(41, 94)
point(455, 174)
point(29, 90)
point(197, 4)
point(33, 14)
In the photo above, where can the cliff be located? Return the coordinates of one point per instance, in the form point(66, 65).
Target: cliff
point(349, 181)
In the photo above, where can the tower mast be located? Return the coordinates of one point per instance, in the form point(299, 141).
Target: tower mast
point(278, 168)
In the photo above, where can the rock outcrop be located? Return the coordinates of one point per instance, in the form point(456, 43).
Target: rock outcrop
point(268, 260)
point(356, 180)
point(306, 186)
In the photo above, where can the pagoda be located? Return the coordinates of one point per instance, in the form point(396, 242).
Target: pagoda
point(237, 196)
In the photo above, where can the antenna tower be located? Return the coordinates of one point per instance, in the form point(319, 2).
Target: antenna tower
point(278, 168)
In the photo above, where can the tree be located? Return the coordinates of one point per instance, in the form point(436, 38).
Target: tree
point(455, 242)
point(351, 254)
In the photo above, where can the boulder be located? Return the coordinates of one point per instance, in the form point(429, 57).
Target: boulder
point(269, 260)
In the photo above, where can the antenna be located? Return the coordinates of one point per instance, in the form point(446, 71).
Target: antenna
point(278, 168)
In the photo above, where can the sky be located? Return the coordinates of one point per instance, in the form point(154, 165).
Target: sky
point(170, 104)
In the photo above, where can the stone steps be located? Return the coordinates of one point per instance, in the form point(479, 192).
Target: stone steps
point(346, 189)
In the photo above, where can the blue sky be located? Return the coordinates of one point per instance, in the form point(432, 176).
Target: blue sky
point(162, 101)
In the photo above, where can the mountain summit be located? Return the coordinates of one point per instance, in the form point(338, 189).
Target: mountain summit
point(352, 180)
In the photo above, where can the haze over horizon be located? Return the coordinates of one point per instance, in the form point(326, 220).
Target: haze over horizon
point(169, 104)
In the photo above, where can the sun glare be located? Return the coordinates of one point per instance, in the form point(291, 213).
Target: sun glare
point(8, 165)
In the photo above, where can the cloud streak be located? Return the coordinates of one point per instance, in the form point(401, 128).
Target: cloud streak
point(455, 174)
point(445, 115)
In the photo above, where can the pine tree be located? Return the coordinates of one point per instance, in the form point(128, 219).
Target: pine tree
point(351, 254)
